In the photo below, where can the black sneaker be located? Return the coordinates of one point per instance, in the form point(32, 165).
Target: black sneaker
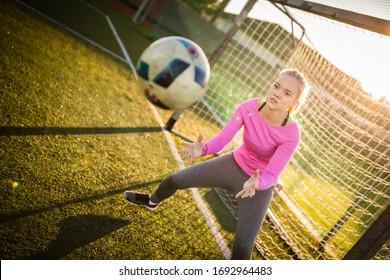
point(139, 199)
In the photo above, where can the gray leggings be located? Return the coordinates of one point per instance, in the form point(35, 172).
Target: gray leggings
point(223, 172)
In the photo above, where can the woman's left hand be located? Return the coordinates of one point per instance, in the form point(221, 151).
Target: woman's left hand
point(250, 186)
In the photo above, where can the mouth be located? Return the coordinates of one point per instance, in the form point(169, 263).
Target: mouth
point(273, 100)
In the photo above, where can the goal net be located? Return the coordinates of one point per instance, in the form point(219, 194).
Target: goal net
point(338, 182)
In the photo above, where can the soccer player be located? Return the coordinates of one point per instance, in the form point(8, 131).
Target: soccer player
point(251, 171)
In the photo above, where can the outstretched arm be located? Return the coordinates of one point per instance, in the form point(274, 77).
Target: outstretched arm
point(217, 143)
point(227, 133)
point(273, 170)
point(278, 163)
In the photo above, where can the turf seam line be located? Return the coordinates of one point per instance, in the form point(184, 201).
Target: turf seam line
point(206, 213)
point(123, 48)
point(92, 7)
point(202, 207)
point(72, 31)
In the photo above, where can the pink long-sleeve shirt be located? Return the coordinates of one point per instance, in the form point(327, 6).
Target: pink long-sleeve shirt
point(265, 147)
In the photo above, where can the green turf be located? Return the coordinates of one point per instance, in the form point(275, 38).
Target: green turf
point(74, 134)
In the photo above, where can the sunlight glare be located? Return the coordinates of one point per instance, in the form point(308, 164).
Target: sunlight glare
point(360, 53)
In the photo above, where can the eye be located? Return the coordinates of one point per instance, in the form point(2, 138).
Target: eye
point(276, 85)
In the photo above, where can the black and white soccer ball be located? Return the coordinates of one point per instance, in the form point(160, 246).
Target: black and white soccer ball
point(173, 73)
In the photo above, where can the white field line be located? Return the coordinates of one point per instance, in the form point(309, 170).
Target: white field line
point(206, 213)
point(200, 203)
point(123, 48)
point(73, 32)
point(92, 7)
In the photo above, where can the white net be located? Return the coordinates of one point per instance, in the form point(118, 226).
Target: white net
point(338, 182)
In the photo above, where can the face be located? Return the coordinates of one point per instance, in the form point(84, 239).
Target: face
point(283, 93)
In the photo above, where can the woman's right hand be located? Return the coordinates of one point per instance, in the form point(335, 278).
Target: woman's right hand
point(193, 150)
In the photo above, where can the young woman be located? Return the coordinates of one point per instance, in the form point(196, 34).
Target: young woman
point(251, 171)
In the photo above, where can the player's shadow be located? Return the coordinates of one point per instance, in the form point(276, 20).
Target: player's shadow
point(26, 131)
point(78, 231)
point(115, 191)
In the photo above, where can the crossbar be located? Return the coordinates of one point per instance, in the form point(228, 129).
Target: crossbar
point(371, 23)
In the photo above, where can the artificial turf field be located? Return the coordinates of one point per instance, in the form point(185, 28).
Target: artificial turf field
point(75, 133)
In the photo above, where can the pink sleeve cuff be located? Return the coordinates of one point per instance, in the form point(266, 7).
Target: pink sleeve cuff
point(266, 180)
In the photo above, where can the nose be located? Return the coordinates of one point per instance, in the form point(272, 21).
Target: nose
point(277, 93)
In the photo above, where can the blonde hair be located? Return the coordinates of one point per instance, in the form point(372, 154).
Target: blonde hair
point(304, 86)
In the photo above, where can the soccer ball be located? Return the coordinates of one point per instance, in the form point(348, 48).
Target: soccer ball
point(173, 73)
